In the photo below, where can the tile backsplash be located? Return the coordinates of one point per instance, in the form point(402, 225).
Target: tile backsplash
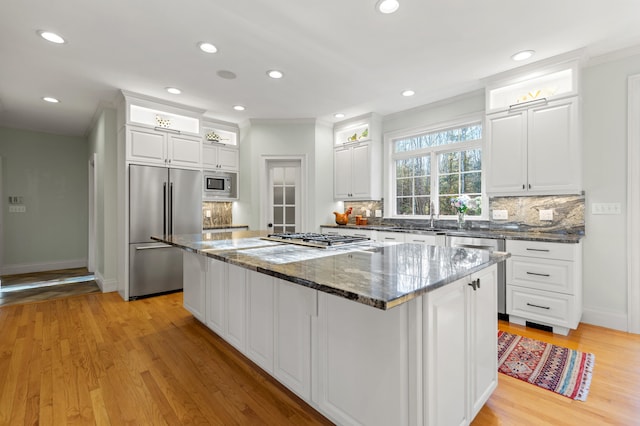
point(216, 214)
point(361, 207)
point(524, 213)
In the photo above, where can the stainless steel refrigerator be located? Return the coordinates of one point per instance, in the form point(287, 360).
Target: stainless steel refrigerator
point(162, 201)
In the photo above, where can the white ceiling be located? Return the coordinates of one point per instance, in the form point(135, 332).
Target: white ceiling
point(337, 55)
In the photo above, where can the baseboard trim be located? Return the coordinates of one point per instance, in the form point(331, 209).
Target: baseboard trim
point(614, 320)
point(26, 268)
point(106, 286)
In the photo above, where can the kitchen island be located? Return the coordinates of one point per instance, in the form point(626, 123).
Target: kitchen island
point(369, 333)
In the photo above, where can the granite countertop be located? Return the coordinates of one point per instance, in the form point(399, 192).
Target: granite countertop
point(552, 237)
point(378, 274)
point(213, 227)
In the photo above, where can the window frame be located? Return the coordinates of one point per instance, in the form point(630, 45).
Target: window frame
point(390, 158)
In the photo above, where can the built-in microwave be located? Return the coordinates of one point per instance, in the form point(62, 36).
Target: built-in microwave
point(220, 184)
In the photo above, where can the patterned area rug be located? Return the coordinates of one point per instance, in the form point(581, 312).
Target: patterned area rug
point(561, 370)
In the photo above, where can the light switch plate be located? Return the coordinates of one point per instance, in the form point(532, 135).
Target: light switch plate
point(500, 214)
point(546, 214)
point(606, 208)
point(378, 213)
point(17, 208)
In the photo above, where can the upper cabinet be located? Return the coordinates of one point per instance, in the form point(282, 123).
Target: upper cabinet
point(220, 146)
point(161, 134)
point(533, 134)
point(358, 159)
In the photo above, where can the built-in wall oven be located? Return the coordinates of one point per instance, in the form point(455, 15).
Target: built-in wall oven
point(491, 244)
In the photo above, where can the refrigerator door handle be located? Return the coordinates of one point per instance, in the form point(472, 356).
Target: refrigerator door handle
point(159, 246)
point(164, 208)
point(171, 208)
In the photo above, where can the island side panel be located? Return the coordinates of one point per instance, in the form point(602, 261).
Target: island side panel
point(363, 363)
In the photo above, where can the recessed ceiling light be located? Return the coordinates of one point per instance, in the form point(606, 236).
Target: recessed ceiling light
point(387, 6)
point(174, 90)
point(521, 56)
point(408, 92)
point(275, 74)
point(239, 108)
point(50, 100)
point(52, 37)
point(338, 115)
point(207, 47)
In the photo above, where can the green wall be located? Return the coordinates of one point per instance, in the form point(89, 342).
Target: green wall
point(50, 173)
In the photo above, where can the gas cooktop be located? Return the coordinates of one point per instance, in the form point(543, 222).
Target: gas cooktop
point(315, 240)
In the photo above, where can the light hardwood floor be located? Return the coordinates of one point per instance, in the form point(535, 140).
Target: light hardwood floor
point(95, 359)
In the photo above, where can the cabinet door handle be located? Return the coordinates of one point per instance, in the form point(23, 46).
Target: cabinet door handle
point(538, 274)
point(529, 186)
point(478, 282)
point(537, 306)
point(523, 187)
point(534, 249)
point(473, 284)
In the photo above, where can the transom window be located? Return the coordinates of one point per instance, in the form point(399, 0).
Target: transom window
point(431, 168)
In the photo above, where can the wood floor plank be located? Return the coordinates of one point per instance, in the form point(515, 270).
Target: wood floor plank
point(95, 359)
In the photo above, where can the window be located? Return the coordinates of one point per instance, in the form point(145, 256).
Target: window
point(432, 167)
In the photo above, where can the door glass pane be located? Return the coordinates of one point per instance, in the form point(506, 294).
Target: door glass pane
point(278, 229)
point(290, 228)
point(277, 195)
point(278, 175)
point(290, 215)
point(290, 195)
point(277, 215)
point(289, 176)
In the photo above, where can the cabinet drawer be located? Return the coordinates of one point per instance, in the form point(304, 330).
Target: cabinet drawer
point(390, 237)
point(541, 274)
point(560, 251)
point(535, 305)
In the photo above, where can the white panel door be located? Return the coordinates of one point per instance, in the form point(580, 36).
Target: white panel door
point(260, 319)
point(507, 148)
point(342, 173)
point(236, 306)
point(184, 151)
point(284, 179)
point(361, 171)
point(294, 307)
point(554, 154)
point(216, 299)
point(146, 145)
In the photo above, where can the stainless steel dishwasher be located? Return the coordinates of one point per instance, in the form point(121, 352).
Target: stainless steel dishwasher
point(491, 244)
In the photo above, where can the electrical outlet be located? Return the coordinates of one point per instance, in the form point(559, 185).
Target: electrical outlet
point(17, 208)
point(378, 213)
point(500, 214)
point(207, 213)
point(368, 213)
point(546, 214)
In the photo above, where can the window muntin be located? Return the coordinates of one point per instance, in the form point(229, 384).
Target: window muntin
point(436, 166)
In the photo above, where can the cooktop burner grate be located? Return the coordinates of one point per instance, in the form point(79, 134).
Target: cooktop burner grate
point(315, 240)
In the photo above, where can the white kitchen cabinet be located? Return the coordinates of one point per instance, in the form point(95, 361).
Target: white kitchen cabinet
point(215, 296)
point(360, 348)
point(358, 159)
point(260, 319)
point(460, 366)
point(220, 157)
point(544, 284)
point(390, 237)
point(236, 307)
point(350, 231)
point(163, 147)
point(427, 239)
point(294, 307)
point(194, 284)
point(535, 150)
point(483, 328)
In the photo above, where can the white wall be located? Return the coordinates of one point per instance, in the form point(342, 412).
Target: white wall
point(50, 172)
point(604, 118)
point(102, 141)
point(284, 138)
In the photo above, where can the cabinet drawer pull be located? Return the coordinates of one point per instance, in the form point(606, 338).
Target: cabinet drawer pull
point(537, 274)
point(390, 238)
point(164, 129)
point(538, 306)
point(419, 241)
point(543, 250)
